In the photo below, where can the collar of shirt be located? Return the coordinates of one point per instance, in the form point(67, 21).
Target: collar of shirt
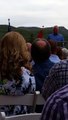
point(54, 58)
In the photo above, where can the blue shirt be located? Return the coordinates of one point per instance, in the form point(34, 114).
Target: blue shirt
point(54, 58)
point(58, 37)
point(41, 70)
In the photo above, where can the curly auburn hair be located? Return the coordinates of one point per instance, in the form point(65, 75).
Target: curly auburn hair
point(13, 55)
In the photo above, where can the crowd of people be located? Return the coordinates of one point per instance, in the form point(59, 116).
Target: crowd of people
point(42, 65)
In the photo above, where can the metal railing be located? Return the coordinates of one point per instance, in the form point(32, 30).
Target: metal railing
point(63, 44)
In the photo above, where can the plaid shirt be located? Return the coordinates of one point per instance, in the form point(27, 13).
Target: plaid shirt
point(56, 106)
point(57, 78)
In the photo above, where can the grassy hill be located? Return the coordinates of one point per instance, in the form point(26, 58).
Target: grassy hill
point(30, 33)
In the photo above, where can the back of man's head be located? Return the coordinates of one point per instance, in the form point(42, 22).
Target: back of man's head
point(65, 53)
point(40, 50)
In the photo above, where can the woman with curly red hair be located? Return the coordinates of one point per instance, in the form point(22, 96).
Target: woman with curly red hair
point(15, 75)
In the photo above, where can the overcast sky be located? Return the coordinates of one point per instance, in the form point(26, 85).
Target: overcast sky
point(34, 12)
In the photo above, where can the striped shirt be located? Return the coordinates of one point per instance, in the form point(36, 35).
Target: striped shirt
point(56, 106)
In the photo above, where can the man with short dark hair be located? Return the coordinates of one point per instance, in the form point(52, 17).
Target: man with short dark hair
point(40, 52)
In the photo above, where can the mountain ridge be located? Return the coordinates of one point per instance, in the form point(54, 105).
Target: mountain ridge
point(31, 32)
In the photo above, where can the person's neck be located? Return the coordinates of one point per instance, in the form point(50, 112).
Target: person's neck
point(55, 33)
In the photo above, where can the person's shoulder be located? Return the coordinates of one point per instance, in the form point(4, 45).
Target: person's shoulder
point(60, 35)
point(50, 34)
point(25, 70)
point(55, 101)
point(60, 93)
point(62, 64)
point(50, 62)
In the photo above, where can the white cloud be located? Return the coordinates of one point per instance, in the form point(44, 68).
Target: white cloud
point(34, 12)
